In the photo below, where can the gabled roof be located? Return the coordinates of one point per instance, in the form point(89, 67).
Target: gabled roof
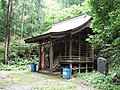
point(69, 24)
point(73, 24)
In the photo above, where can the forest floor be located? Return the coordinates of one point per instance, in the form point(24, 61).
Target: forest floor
point(24, 80)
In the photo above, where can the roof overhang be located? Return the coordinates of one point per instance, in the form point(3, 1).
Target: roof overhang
point(42, 38)
point(53, 34)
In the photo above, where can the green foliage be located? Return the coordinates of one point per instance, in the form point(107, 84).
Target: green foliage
point(1, 50)
point(106, 25)
point(8, 67)
point(55, 86)
point(18, 63)
point(35, 81)
point(39, 16)
point(68, 3)
point(105, 20)
point(99, 80)
point(19, 58)
point(2, 19)
point(55, 13)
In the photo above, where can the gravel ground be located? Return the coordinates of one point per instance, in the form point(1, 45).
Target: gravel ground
point(32, 80)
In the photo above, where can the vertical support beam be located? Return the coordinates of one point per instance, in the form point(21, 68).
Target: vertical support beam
point(70, 47)
point(79, 53)
point(71, 68)
point(70, 52)
point(86, 51)
point(86, 67)
point(92, 58)
point(79, 49)
point(65, 47)
point(39, 62)
point(51, 57)
point(86, 57)
point(79, 67)
point(90, 51)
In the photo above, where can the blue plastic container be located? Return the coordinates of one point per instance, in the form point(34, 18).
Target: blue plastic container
point(33, 67)
point(66, 73)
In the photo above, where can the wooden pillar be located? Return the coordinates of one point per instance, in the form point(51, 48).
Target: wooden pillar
point(51, 57)
point(79, 67)
point(70, 52)
point(86, 51)
point(39, 62)
point(65, 47)
point(70, 47)
point(79, 53)
point(79, 50)
point(86, 57)
point(92, 59)
point(71, 68)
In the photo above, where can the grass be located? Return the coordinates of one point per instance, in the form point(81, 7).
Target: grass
point(99, 81)
point(47, 76)
point(36, 81)
point(39, 81)
point(55, 86)
point(6, 67)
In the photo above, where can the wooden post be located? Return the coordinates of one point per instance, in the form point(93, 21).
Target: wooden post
point(71, 68)
point(79, 50)
point(65, 47)
point(39, 62)
point(79, 54)
point(79, 67)
point(70, 47)
point(70, 52)
point(51, 57)
point(92, 59)
point(86, 67)
point(86, 58)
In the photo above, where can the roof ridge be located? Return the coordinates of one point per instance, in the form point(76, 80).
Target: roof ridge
point(71, 18)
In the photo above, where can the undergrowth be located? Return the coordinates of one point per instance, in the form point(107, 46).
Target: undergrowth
point(18, 60)
point(14, 67)
point(99, 81)
point(18, 63)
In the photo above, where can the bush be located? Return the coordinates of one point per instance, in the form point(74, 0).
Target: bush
point(19, 57)
point(99, 80)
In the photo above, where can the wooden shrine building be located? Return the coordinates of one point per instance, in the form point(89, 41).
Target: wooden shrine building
point(65, 45)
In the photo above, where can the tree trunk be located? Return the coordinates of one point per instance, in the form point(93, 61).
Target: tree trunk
point(7, 33)
point(22, 22)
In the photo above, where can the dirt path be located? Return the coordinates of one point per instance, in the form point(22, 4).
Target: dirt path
point(17, 80)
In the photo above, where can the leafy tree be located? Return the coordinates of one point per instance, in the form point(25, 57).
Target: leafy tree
point(106, 25)
point(26, 18)
point(3, 8)
point(55, 13)
point(8, 32)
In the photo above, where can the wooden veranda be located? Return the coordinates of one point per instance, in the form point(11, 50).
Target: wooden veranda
point(65, 45)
